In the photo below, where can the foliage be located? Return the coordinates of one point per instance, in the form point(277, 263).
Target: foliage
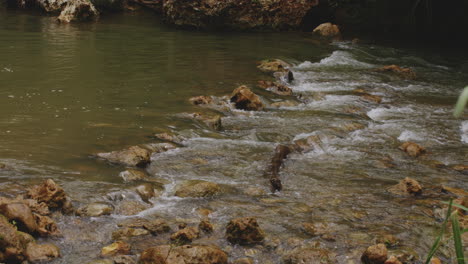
point(462, 101)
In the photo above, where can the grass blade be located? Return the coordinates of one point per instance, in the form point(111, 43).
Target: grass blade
point(457, 238)
point(461, 103)
point(457, 205)
point(436, 244)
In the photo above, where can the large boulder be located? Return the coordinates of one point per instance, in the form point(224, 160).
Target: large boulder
point(328, 30)
point(78, 10)
point(11, 247)
point(237, 14)
point(51, 194)
point(132, 156)
point(42, 252)
point(244, 99)
point(193, 254)
point(21, 214)
point(244, 231)
point(197, 188)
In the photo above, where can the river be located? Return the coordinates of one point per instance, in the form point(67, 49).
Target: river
point(69, 91)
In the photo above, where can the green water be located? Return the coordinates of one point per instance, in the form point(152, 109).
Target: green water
point(69, 91)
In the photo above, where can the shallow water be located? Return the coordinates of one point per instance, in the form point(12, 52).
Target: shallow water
point(68, 91)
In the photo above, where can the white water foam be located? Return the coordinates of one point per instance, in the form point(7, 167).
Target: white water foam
point(337, 58)
point(408, 135)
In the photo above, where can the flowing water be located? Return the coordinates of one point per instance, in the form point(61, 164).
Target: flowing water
point(68, 91)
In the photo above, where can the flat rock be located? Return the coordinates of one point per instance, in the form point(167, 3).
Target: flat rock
point(42, 252)
point(193, 254)
point(95, 209)
point(133, 156)
point(197, 188)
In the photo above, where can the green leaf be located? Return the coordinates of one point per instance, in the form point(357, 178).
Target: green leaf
point(461, 103)
point(436, 244)
point(457, 205)
point(457, 238)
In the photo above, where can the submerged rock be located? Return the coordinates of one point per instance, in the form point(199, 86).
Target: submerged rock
point(405, 73)
point(193, 254)
point(78, 10)
point(130, 207)
point(393, 260)
point(308, 255)
point(197, 188)
point(42, 252)
point(244, 231)
point(237, 14)
point(185, 235)
point(213, 122)
point(155, 226)
point(128, 232)
point(244, 99)
point(376, 254)
point(407, 186)
point(95, 209)
point(201, 100)
point(367, 96)
point(131, 175)
point(413, 149)
point(328, 30)
point(116, 248)
point(286, 103)
point(133, 156)
point(275, 87)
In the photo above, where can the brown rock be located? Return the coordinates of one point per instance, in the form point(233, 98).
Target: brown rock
point(405, 73)
point(197, 188)
point(244, 99)
point(45, 225)
point(185, 235)
point(461, 168)
point(376, 254)
point(316, 229)
point(10, 239)
point(157, 226)
point(133, 156)
point(132, 175)
point(206, 226)
point(21, 214)
point(275, 87)
point(116, 248)
point(243, 261)
point(42, 252)
point(78, 10)
point(128, 232)
point(435, 260)
point(286, 103)
point(407, 186)
point(393, 260)
point(95, 209)
point(413, 149)
point(284, 76)
point(193, 254)
point(145, 191)
point(275, 65)
point(244, 231)
point(213, 122)
point(308, 255)
point(130, 207)
point(328, 30)
point(49, 193)
point(201, 100)
point(388, 240)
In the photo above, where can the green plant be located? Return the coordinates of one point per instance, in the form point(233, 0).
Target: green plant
point(461, 103)
point(452, 216)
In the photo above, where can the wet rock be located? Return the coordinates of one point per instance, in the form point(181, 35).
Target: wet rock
point(405, 73)
point(275, 65)
point(197, 188)
point(133, 156)
point(157, 226)
point(130, 207)
point(255, 192)
point(41, 207)
point(328, 30)
point(204, 212)
point(78, 10)
point(461, 168)
point(237, 14)
point(45, 225)
point(284, 76)
point(116, 248)
point(132, 175)
point(393, 260)
point(275, 87)
point(244, 231)
point(201, 100)
point(286, 103)
point(244, 261)
point(213, 122)
point(436, 261)
point(101, 261)
point(159, 147)
point(349, 127)
point(193, 254)
point(388, 240)
point(169, 137)
point(244, 99)
point(413, 149)
point(2, 166)
point(25, 238)
point(376, 254)
point(308, 255)
point(185, 235)
point(21, 214)
point(206, 226)
point(367, 96)
point(42, 252)
point(407, 186)
point(95, 209)
point(11, 247)
point(128, 232)
point(316, 229)
point(51, 194)
point(145, 191)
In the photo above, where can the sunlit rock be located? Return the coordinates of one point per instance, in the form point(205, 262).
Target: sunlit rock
point(116, 248)
point(78, 10)
point(244, 99)
point(407, 186)
point(275, 87)
point(274, 65)
point(185, 235)
point(308, 255)
point(193, 254)
point(197, 188)
point(133, 156)
point(206, 226)
point(201, 100)
point(376, 254)
point(95, 209)
point(51, 194)
point(21, 214)
point(42, 252)
point(413, 149)
point(328, 30)
point(130, 207)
